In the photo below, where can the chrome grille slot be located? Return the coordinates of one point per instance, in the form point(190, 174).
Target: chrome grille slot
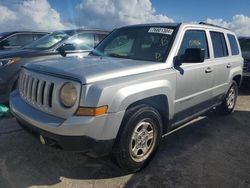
point(40, 92)
point(29, 87)
point(51, 94)
point(35, 91)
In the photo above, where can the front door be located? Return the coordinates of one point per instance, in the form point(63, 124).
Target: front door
point(194, 80)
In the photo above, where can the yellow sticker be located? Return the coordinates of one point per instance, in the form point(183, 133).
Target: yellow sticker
point(158, 56)
point(164, 41)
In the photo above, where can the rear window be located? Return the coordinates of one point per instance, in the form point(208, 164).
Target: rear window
point(233, 44)
point(219, 44)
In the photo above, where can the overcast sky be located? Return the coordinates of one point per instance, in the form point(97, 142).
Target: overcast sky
point(62, 14)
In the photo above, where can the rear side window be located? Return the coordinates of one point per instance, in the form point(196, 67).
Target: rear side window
point(83, 41)
point(219, 44)
point(233, 44)
point(194, 39)
point(101, 37)
point(18, 40)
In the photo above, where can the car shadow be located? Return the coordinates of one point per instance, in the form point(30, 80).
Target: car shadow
point(192, 156)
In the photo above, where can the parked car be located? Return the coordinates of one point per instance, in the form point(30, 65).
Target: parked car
point(245, 47)
point(57, 44)
point(18, 39)
point(140, 83)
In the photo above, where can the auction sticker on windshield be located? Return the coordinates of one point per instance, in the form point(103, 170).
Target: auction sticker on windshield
point(161, 30)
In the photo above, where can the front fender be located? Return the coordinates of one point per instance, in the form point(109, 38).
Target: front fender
point(128, 95)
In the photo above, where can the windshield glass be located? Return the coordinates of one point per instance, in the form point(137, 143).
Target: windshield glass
point(245, 44)
point(140, 43)
point(48, 41)
point(3, 34)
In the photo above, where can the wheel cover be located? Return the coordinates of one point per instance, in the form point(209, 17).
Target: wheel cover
point(231, 98)
point(142, 141)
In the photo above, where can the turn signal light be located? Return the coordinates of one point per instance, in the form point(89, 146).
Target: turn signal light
point(87, 111)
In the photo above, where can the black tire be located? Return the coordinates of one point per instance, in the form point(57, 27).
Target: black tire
point(226, 107)
point(137, 118)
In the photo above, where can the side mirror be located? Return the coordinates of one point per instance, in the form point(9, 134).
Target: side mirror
point(4, 44)
point(64, 48)
point(61, 51)
point(194, 55)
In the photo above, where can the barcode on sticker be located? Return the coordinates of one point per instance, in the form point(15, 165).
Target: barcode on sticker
point(161, 30)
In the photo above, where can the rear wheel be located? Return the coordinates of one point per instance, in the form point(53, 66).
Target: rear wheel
point(138, 138)
point(229, 102)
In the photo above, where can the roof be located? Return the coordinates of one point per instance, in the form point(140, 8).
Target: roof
point(73, 31)
point(201, 24)
point(15, 32)
point(154, 25)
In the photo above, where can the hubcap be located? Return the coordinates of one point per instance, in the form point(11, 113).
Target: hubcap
point(231, 98)
point(142, 141)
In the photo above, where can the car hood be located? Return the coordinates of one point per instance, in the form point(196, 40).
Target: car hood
point(246, 54)
point(18, 53)
point(92, 69)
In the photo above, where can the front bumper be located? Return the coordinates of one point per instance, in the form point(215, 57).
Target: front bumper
point(88, 134)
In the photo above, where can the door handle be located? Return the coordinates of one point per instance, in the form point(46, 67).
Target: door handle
point(209, 70)
point(229, 65)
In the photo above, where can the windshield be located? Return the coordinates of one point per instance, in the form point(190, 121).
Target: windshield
point(245, 44)
point(48, 41)
point(3, 34)
point(140, 43)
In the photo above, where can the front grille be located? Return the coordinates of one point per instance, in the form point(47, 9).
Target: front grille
point(41, 91)
point(246, 67)
point(36, 91)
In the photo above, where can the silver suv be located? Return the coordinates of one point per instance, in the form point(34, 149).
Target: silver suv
point(140, 83)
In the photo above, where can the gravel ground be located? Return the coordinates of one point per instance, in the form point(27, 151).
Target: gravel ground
point(213, 151)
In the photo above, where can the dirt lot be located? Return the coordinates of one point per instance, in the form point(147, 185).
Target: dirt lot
point(213, 151)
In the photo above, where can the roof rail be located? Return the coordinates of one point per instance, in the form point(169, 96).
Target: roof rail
point(205, 23)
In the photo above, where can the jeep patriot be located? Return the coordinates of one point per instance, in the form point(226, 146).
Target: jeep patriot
point(139, 84)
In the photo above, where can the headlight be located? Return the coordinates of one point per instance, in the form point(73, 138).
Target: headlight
point(68, 95)
point(4, 62)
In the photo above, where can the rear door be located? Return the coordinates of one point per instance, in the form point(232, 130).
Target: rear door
point(222, 62)
point(194, 80)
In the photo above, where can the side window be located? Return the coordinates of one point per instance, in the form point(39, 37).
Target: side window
point(233, 44)
point(84, 41)
point(101, 37)
point(194, 39)
point(219, 44)
point(18, 40)
point(38, 36)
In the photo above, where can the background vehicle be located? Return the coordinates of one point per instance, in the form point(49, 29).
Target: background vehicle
point(140, 83)
point(55, 45)
point(245, 47)
point(18, 39)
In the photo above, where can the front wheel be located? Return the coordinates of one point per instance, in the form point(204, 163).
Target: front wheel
point(230, 99)
point(138, 138)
